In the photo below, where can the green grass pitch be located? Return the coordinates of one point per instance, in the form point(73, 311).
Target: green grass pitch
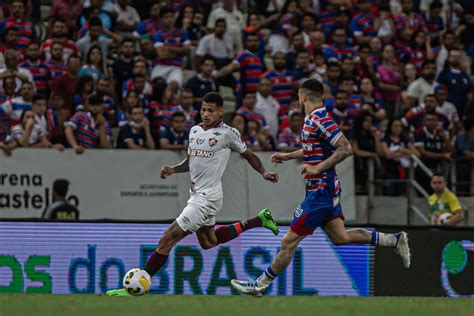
point(37, 305)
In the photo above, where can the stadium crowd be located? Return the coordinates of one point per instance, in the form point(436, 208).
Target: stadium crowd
point(131, 74)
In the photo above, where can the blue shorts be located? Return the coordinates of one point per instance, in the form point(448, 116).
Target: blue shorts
point(315, 211)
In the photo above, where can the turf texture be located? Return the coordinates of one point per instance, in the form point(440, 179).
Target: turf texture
point(50, 305)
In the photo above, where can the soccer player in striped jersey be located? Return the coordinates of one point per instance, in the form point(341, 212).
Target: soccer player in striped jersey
point(210, 146)
point(324, 146)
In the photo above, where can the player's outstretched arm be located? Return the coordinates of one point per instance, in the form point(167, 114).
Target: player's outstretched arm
point(183, 166)
point(257, 164)
point(343, 150)
point(277, 158)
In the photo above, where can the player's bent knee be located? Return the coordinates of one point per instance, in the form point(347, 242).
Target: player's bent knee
point(340, 240)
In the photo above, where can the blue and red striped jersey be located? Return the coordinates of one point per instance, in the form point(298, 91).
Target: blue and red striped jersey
point(253, 116)
point(171, 38)
point(319, 136)
point(149, 26)
point(363, 25)
point(26, 30)
point(414, 56)
point(286, 138)
point(159, 115)
point(414, 22)
point(282, 87)
point(339, 52)
point(251, 68)
point(40, 74)
point(328, 20)
point(415, 116)
point(55, 69)
point(285, 22)
point(190, 116)
point(434, 27)
point(86, 132)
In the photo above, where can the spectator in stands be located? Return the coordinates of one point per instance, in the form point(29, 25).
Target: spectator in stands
point(139, 69)
point(66, 84)
point(344, 113)
point(127, 17)
point(268, 106)
point(16, 106)
point(248, 110)
point(389, 81)
point(289, 139)
point(434, 21)
point(283, 82)
point(418, 51)
point(18, 19)
point(297, 44)
point(464, 146)
point(30, 134)
point(422, 86)
point(366, 144)
point(370, 103)
point(56, 65)
point(69, 10)
point(46, 118)
point(104, 88)
point(14, 71)
point(250, 65)
point(60, 209)
point(38, 69)
point(219, 45)
point(121, 69)
point(176, 136)
point(10, 42)
point(445, 208)
point(414, 118)
point(362, 25)
point(85, 87)
point(186, 106)
point(136, 134)
point(408, 76)
point(448, 42)
point(333, 77)
point(59, 34)
point(407, 22)
point(303, 68)
point(265, 141)
point(456, 80)
point(234, 20)
point(397, 151)
point(94, 65)
point(202, 83)
point(171, 44)
point(240, 123)
point(441, 94)
point(153, 24)
point(89, 129)
point(94, 37)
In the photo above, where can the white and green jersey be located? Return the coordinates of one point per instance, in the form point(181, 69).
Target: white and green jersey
point(209, 151)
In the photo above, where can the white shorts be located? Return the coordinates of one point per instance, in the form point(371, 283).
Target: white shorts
point(199, 212)
point(169, 73)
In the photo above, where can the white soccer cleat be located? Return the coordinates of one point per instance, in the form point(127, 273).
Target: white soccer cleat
point(402, 248)
point(246, 287)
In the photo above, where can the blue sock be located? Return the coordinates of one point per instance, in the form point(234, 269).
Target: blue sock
point(375, 238)
point(270, 274)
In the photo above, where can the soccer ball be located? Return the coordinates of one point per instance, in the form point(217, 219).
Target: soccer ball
point(444, 218)
point(137, 282)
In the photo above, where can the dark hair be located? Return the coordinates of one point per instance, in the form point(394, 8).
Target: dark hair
point(347, 78)
point(95, 21)
point(60, 187)
point(449, 32)
point(388, 132)
point(82, 83)
point(179, 20)
point(37, 97)
point(468, 123)
point(313, 85)
point(311, 15)
point(187, 90)
point(96, 99)
point(299, 52)
point(127, 40)
point(176, 114)
point(333, 64)
point(22, 116)
point(130, 109)
point(246, 121)
point(213, 97)
point(34, 43)
point(358, 130)
point(436, 5)
point(438, 174)
point(72, 57)
point(206, 58)
point(60, 19)
point(166, 10)
point(89, 53)
point(412, 40)
point(428, 62)
point(364, 46)
point(342, 91)
point(221, 20)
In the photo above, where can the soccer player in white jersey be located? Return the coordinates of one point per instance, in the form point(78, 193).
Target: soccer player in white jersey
point(210, 146)
point(324, 146)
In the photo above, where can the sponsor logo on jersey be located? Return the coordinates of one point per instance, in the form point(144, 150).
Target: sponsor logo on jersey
point(200, 153)
point(200, 141)
point(298, 211)
point(217, 133)
point(212, 141)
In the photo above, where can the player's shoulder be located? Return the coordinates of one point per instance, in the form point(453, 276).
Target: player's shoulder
point(228, 130)
point(196, 129)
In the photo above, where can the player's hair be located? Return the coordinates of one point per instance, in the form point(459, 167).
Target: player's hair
point(313, 89)
point(430, 96)
point(213, 97)
point(37, 97)
point(59, 19)
point(347, 78)
point(60, 187)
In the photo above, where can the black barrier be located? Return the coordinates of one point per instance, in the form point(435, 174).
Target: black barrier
point(442, 264)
